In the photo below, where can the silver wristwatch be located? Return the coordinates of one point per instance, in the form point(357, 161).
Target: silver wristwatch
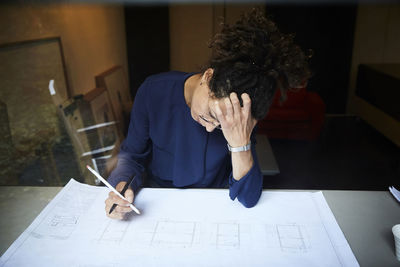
point(240, 148)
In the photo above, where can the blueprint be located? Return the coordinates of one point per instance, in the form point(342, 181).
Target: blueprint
point(182, 227)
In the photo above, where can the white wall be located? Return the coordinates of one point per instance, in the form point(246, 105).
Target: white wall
point(193, 26)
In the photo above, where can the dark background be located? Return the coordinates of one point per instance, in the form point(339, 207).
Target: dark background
point(327, 30)
point(349, 153)
point(148, 54)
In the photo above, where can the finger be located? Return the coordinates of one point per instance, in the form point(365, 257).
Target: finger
point(122, 209)
point(228, 107)
point(235, 104)
point(129, 195)
point(109, 202)
point(253, 122)
point(246, 104)
point(119, 201)
point(117, 209)
point(114, 214)
point(218, 113)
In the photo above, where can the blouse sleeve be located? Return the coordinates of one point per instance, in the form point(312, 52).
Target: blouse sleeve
point(136, 147)
point(248, 189)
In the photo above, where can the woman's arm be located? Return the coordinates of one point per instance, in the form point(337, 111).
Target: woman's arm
point(136, 147)
point(248, 188)
point(237, 126)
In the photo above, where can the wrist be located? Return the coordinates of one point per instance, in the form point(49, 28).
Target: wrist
point(241, 164)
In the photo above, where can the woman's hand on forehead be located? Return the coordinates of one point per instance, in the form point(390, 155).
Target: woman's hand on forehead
point(236, 121)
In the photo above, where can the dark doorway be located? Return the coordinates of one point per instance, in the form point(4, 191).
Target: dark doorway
point(147, 35)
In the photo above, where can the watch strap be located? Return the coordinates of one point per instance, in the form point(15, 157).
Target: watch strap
point(240, 148)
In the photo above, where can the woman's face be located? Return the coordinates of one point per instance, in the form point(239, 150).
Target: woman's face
point(203, 108)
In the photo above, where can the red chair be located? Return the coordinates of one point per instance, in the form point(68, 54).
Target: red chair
point(300, 116)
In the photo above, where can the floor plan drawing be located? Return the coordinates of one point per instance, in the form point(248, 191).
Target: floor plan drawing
point(60, 222)
point(114, 232)
point(170, 233)
point(291, 238)
point(187, 228)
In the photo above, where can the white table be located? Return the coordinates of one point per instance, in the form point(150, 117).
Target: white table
point(365, 217)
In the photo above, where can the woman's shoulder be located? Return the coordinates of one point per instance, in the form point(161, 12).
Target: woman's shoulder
point(166, 85)
point(164, 88)
point(167, 76)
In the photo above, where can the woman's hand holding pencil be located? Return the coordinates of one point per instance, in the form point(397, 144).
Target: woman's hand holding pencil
point(122, 208)
point(120, 199)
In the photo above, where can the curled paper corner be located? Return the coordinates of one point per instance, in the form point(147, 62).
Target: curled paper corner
point(395, 193)
point(51, 87)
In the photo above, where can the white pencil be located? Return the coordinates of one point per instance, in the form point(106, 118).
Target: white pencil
point(112, 188)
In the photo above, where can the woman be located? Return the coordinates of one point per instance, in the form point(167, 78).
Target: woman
point(166, 136)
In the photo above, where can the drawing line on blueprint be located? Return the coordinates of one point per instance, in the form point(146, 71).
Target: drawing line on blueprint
point(228, 235)
point(64, 220)
point(173, 233)
point(182, 233)
point(153, 233)
point(113, 232)
point(291, 238)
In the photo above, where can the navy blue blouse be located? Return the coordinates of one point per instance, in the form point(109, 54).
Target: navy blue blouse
point(175, 150)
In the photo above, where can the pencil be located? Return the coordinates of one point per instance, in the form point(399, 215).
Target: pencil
point(112, 188)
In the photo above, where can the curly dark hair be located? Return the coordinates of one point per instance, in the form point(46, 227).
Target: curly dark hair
point(252, 56)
